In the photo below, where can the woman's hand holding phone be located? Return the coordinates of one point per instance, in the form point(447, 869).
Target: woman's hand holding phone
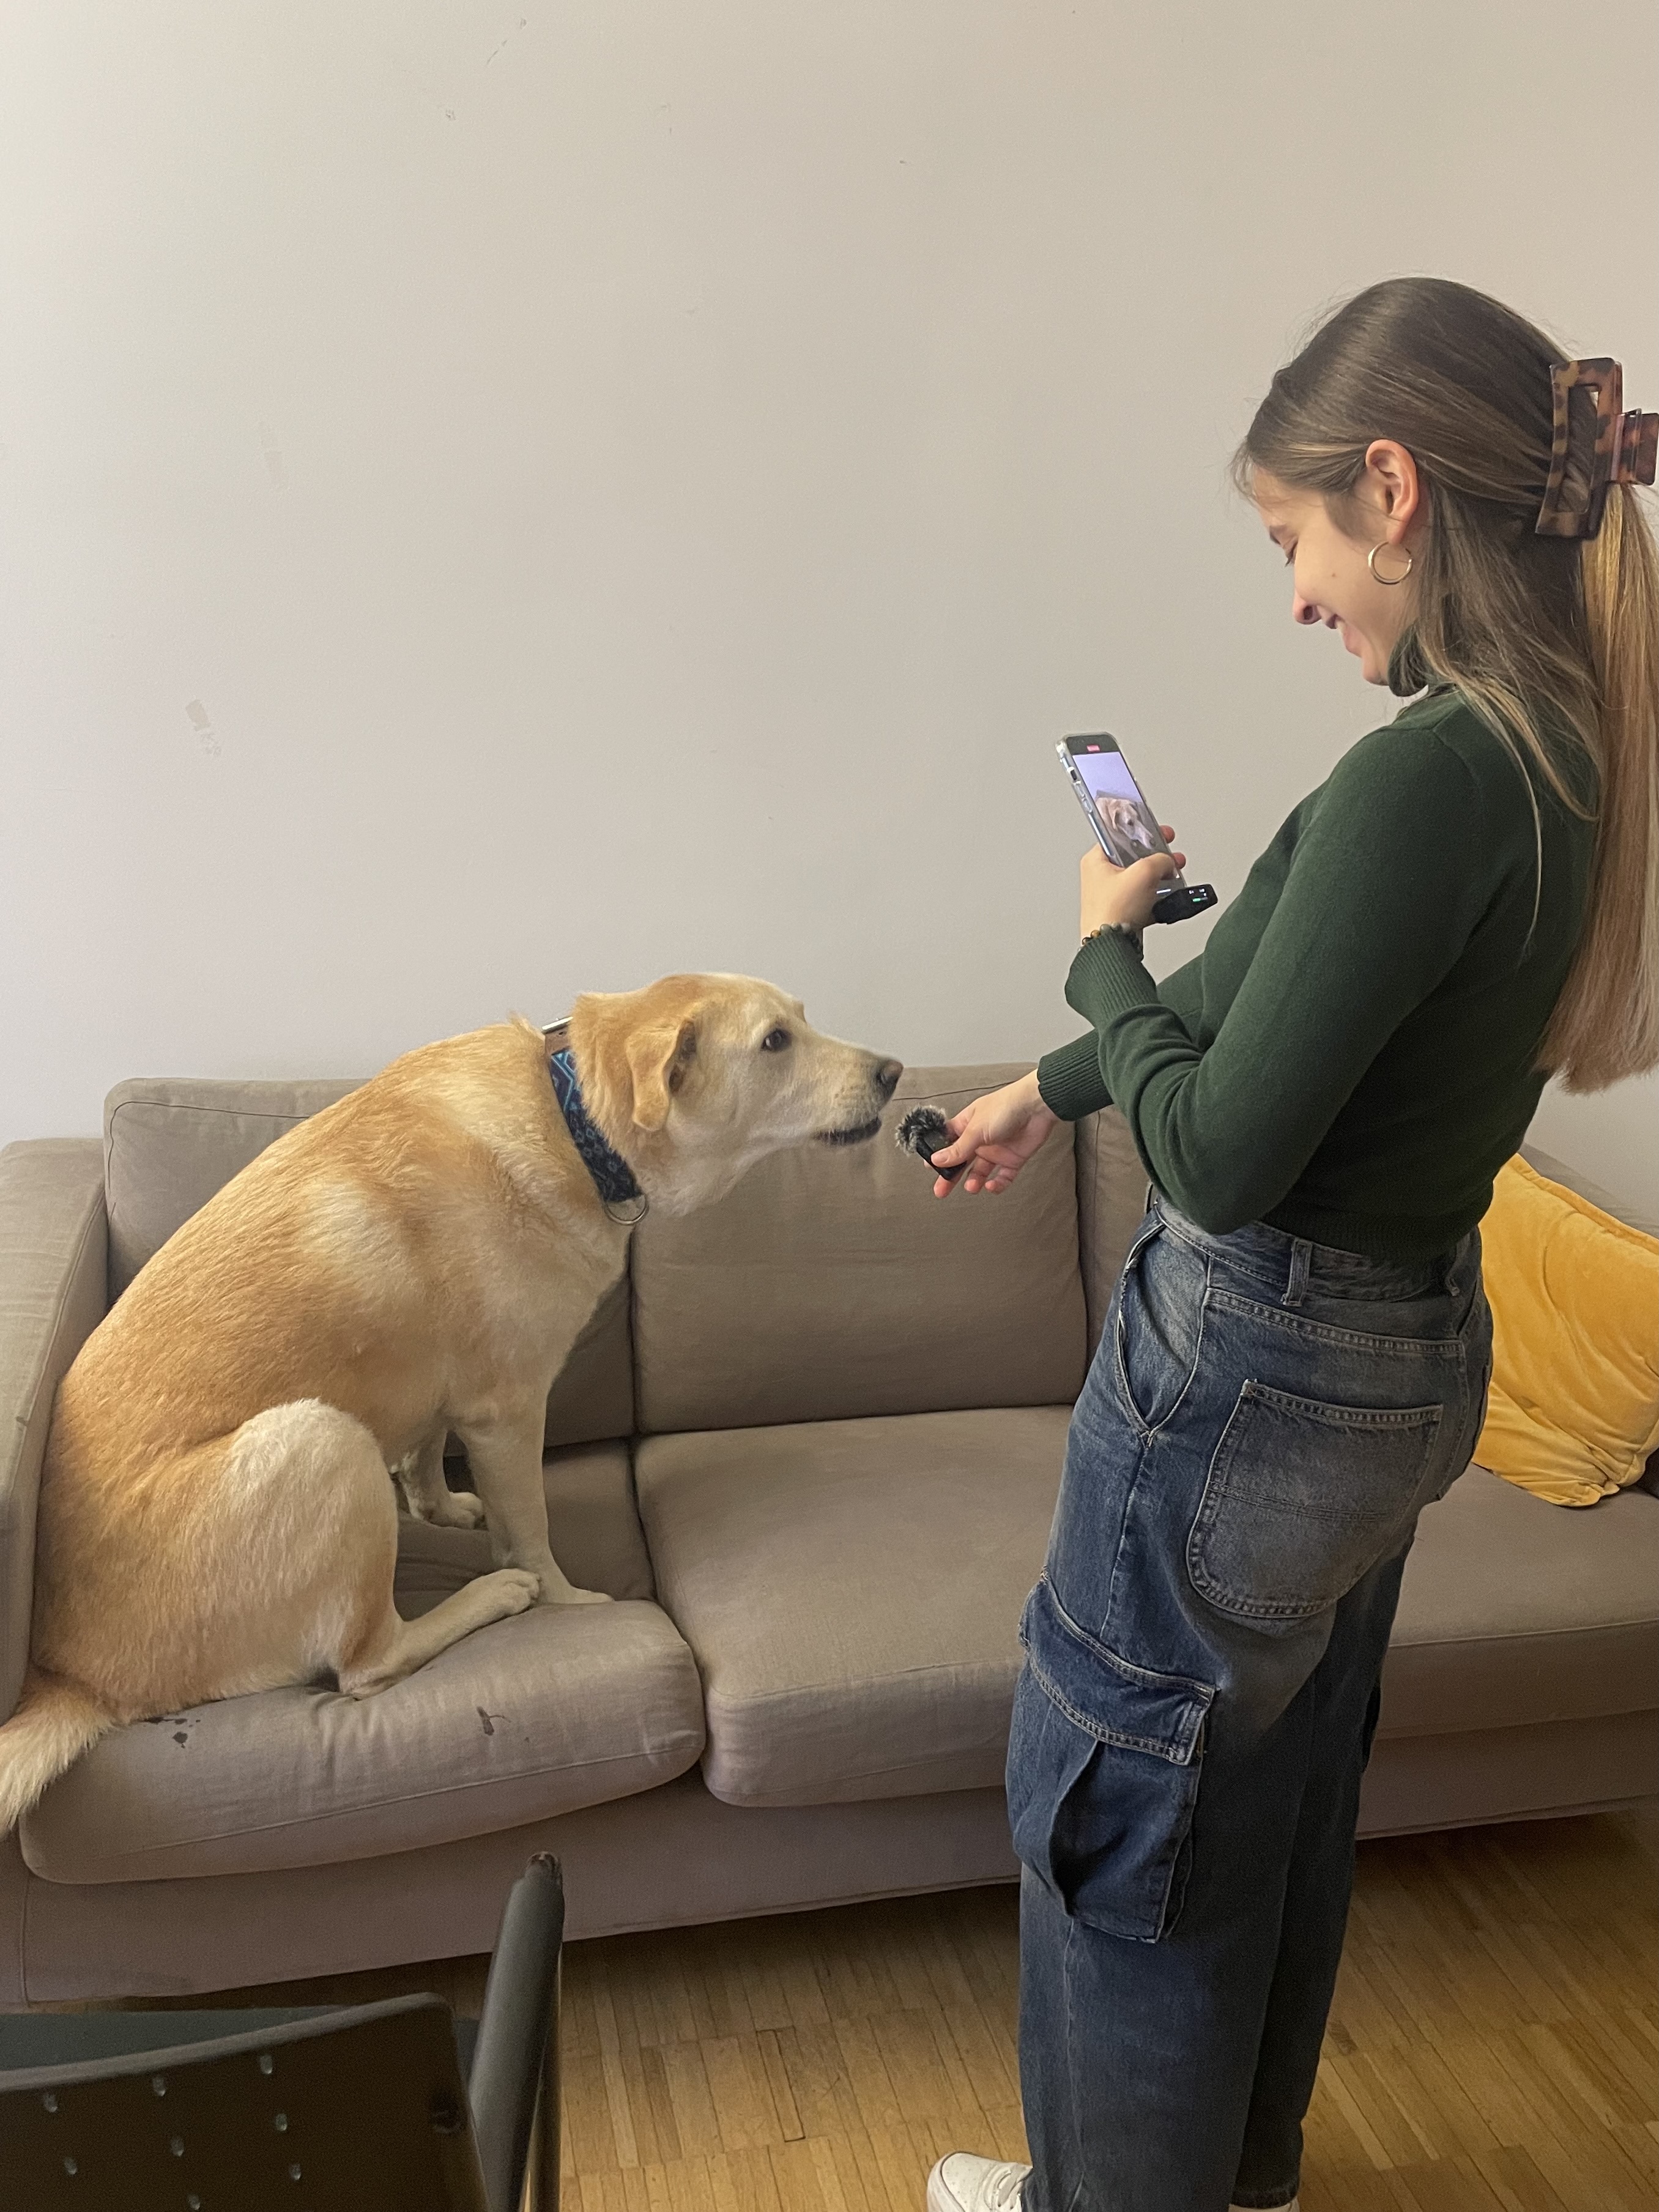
point(994, 1137)
point(1122, 897)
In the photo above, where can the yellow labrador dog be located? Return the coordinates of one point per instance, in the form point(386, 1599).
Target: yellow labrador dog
point(215, 1510)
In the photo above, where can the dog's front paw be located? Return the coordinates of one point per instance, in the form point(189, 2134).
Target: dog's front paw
point(460, 1509)
point(518, 1588)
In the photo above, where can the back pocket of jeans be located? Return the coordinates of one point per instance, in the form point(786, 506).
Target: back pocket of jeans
point(1103, 1775)
point(1303, 1499)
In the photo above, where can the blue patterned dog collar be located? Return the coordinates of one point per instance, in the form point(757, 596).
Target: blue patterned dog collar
point(613, 1178)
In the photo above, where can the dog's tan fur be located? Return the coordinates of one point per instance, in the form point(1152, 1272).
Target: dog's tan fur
point(216, 1514)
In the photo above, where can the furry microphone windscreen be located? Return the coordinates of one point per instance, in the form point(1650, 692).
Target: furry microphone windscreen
point(923, 1131)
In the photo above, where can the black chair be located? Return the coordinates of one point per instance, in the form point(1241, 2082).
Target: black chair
point(392, 2107)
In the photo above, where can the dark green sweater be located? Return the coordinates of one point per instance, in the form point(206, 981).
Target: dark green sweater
point(1352, 1056)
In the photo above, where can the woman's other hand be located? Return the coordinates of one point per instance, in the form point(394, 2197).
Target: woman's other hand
point(1122, 897)
point(994, 1137)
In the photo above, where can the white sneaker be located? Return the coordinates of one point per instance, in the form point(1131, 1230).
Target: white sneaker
point(961, 2183)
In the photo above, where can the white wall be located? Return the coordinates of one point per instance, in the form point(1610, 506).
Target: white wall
point(504, 499)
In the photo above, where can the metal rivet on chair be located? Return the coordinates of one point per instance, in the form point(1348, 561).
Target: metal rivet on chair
point(70, 2167)
point(281, 2123)
point(159, 2084)
point(177, 2146)
point(192, 2202)
point(49, 2100)
point(266, 2062)
point(294, 2173)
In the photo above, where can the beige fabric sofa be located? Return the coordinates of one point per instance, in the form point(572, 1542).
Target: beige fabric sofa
point(811, 1446)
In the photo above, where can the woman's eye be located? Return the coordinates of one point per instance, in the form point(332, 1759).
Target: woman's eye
point(776, 1041)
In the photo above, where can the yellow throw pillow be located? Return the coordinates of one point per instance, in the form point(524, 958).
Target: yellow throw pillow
point(1574, 1411)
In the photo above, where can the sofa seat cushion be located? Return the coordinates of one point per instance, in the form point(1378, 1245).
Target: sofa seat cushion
point(852, 1591)
point(558, 1708)
point(593, 1525)
point(1513, 1612)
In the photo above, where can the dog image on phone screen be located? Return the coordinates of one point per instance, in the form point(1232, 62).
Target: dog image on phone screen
point(1128, 825)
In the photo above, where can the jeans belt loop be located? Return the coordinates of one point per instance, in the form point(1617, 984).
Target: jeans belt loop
point(1296, 1289)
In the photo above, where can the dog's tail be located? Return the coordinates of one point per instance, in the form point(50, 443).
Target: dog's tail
point(55, 1722)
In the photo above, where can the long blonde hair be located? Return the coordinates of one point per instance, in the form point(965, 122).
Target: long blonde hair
point(1547, 637)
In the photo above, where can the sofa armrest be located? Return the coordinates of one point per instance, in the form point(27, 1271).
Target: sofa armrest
point(53, 1293)
point(1111, 1198)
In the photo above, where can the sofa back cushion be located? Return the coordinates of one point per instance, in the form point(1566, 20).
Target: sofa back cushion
point(170, 1144)
point(1111, 1201)
point(831, 1284)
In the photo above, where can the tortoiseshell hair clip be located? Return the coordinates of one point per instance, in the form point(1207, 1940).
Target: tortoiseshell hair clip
point(1592, 449)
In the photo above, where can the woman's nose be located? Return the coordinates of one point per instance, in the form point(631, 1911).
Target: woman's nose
point(1302, 610)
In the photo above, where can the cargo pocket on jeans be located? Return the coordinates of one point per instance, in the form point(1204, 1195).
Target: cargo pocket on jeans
point(1103, 1775)
point(1302, 1500)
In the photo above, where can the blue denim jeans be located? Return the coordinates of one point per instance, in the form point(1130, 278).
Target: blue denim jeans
point(1263, 1422)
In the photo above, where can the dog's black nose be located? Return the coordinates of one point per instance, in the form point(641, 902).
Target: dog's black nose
point(887, 1076)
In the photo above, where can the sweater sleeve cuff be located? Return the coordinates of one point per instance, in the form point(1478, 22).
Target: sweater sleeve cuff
point(1069, 1080)
point(1108, 978)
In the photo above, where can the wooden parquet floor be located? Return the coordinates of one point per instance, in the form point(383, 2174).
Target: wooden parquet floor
point(1494, 2046)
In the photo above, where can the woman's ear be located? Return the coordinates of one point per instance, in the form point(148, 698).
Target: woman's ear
point(1395, 489)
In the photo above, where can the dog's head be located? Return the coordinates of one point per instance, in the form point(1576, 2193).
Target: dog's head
point(696, 1077)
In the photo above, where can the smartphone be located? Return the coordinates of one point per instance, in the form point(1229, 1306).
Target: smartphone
point(1124, 824)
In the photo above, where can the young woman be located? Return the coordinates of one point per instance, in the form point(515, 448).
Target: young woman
point(1295, 1359)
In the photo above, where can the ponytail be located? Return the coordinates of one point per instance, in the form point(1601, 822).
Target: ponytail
point(1606, 1022)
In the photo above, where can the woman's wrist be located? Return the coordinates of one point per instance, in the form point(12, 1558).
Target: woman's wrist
point(1032, 1102)
point(1124, 929)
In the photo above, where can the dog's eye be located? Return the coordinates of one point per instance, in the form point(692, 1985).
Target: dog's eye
point(776, 1041)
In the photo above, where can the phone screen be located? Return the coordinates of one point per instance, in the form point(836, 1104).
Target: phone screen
point(1120, 818)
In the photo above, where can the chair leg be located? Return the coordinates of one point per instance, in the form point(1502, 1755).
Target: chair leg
point(517, 2050)
point(548, 2147)
point(530, 2199)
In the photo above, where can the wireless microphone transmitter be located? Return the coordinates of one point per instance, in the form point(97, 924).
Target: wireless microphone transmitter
point(923, 1131)
point(1182, 900)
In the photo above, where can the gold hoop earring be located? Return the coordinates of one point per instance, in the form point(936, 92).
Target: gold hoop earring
point(1370, 563)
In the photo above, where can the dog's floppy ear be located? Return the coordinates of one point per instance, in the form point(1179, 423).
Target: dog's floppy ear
point(658, 1058)
point(630, 1067)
